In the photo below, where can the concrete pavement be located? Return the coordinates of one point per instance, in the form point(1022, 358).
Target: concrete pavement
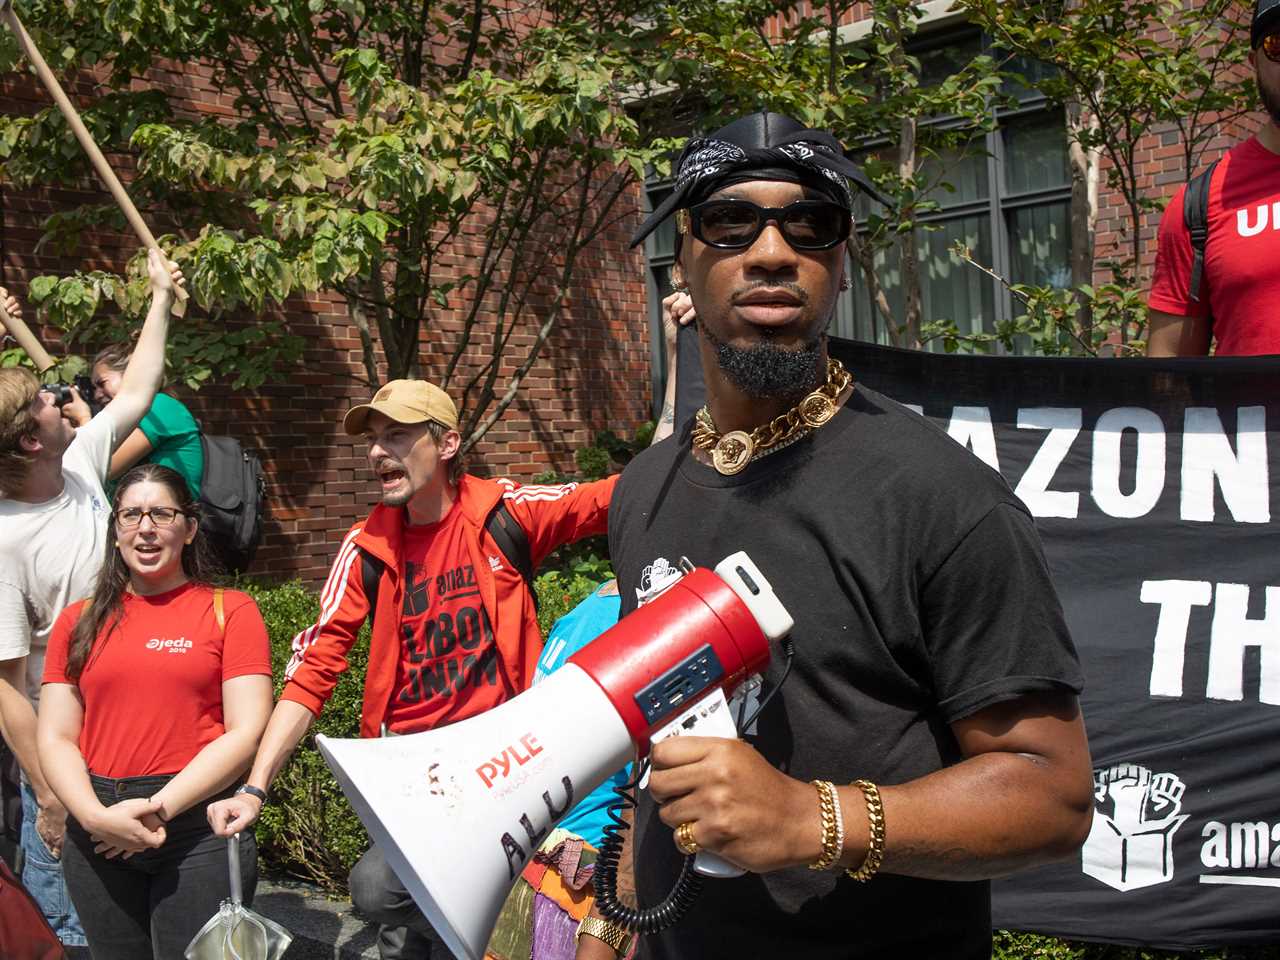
point(321, 928)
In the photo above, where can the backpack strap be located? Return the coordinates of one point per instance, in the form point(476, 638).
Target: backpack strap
point(506, 533)
point(514, 544)
point(219, 609)
point(1195, 214)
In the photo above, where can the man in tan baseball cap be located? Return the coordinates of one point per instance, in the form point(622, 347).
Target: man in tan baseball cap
point(442, 567)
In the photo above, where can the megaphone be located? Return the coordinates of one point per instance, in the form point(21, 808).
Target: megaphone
point(458, 811)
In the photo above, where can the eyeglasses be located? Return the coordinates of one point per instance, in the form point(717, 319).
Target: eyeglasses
point(1271, 46)
point(732, 224)
point(130, 517)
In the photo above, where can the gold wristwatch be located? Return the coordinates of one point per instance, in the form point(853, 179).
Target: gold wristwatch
point(610, 933)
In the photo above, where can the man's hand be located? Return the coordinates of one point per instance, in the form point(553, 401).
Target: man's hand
point(126, 828)
point(51, 824)
point(234, 814)
point(166, 275)
point(741, 807)
point(677, 312)
point(76, 410)
point(11, 307)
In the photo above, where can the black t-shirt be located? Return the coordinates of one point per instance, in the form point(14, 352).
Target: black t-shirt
point(920, 595)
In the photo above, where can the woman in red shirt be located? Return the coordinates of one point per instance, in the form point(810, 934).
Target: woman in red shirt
point(156, 692)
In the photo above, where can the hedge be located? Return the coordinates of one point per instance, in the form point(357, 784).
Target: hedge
point(309, 831)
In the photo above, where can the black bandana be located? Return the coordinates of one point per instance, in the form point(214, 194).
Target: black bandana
point(766, 143)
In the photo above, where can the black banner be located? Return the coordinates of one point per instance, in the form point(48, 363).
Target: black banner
point(1153, 486)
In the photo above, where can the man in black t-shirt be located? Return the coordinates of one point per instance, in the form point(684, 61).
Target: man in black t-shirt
point(933, 686)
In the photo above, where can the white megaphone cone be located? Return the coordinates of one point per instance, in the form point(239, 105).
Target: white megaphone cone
point(458, 811)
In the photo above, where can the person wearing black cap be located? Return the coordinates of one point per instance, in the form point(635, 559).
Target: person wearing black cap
point(926, 736)
point(1228, 293)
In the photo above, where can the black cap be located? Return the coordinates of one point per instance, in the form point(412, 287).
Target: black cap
point(1266, 16)
point(774, 145)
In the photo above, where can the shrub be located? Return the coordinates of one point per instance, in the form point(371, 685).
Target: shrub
point(309, 830)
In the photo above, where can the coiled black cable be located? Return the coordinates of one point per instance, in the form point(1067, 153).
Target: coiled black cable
point(638, 919)
point(688, 884)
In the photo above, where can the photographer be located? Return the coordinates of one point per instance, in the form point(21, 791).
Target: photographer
point(53, 528)
point(168, 435)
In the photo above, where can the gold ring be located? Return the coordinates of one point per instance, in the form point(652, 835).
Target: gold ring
point(684, 839)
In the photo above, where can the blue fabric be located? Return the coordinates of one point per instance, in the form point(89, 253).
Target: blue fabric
point(42, 876)
point(592, 617)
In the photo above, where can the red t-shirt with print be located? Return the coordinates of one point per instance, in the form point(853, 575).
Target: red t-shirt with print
point(449, 664)
point(152, 687)
point(1241, 285)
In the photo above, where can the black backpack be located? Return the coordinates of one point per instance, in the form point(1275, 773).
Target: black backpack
point(231, 500)
point(506, 533)
point(1195, 214)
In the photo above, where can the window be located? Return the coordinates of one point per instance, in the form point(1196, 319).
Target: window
point(1010, 205)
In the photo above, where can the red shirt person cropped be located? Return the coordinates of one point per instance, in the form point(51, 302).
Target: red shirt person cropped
point(152, 688)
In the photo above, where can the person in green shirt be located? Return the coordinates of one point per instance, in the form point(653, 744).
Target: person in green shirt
point(168, 435)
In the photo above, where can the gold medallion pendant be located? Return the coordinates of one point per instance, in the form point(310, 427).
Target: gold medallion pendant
point(732, 454)
point(815, 410)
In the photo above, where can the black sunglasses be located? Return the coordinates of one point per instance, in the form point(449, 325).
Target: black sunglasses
point(732, 224)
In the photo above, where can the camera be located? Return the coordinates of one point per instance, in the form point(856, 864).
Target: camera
point(62, 392)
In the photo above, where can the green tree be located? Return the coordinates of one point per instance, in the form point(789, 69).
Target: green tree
point(370, 147)
point(1123, 69)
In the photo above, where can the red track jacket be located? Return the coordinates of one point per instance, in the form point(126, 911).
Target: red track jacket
point(551, 515)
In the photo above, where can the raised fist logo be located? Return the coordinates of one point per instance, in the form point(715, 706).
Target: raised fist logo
point(1130, 845)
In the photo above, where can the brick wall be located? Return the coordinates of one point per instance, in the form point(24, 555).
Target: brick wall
point(593, 373)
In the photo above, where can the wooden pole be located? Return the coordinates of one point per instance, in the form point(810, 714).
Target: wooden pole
point(26, 339)
point(82, 134)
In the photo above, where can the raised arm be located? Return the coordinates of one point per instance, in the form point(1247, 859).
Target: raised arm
point(677, 311)
point(143, 375)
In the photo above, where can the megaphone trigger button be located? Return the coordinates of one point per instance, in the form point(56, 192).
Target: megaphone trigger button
point(746, 579)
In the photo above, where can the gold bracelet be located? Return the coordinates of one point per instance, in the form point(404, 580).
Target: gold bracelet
point(832, 826)
point(875, 832)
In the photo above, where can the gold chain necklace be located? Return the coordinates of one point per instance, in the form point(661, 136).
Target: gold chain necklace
point(732, 451)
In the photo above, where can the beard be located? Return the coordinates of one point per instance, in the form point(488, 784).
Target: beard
point(1270, 94)
point(767, 371)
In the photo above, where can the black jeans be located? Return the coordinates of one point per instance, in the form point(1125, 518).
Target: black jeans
point(376, 891)
point(153, 903)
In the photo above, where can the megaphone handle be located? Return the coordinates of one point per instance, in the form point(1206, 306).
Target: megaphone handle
point(710, 865)
point(233, 856)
